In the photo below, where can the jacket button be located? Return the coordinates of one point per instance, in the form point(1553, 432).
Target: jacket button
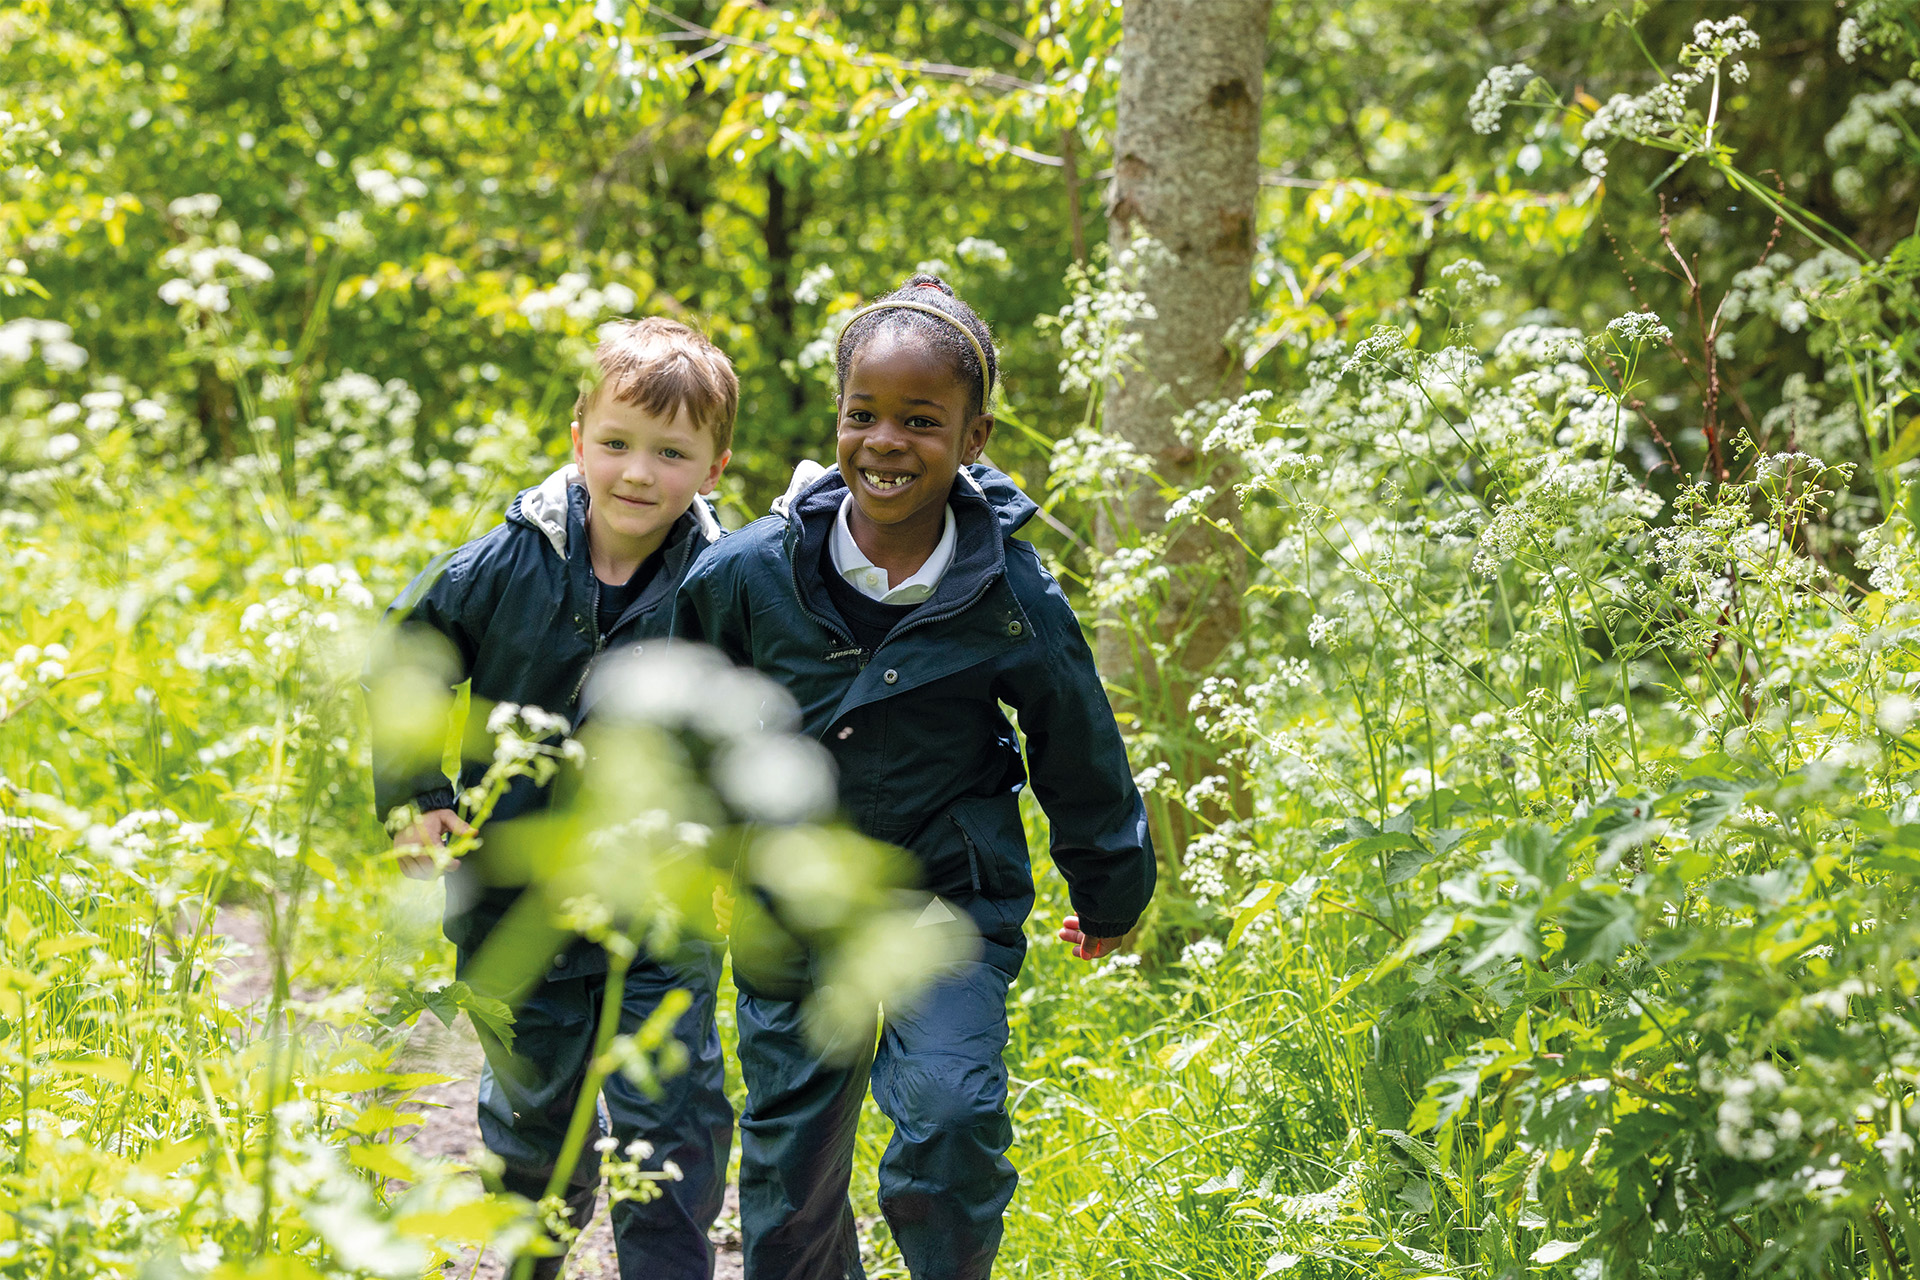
point(891, 675)
point(1014, 628)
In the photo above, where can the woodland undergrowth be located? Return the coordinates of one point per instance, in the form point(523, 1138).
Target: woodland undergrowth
point(1549, 910)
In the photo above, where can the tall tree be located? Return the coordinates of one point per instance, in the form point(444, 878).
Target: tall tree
point(1186, 177)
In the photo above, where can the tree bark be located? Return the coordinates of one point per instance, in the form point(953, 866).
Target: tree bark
point(778, 231)
point(1186, 176)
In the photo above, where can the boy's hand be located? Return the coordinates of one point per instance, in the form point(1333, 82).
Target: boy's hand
point(1084, 947)
point(430, 832)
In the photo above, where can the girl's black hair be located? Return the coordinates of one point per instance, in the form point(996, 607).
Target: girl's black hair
point(929, 291)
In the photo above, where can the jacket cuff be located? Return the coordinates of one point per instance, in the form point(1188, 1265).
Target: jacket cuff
point(1107, 928)
point(441, 797)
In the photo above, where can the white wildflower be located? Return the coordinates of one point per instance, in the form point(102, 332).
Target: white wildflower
point(1501, 86)
point(1638, 326)
point(1202, 953)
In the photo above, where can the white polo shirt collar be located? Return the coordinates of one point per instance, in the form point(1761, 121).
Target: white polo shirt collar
point(870, 580)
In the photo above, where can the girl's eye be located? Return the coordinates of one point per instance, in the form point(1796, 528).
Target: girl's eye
point(859, 415)
point(923, 424)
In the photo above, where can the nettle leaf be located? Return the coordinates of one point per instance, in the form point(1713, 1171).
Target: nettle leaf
point(1515, 936)
point(1530, 852)
point(447, 1003)
point(1449, 1092)
point(1407, 863)
point(1721, 798)
point(1349, 830)
point(1566, 1121)
point(1598, 926)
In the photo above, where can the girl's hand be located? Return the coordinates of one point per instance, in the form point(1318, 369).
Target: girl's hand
point(1084, 947)
point(430, 832)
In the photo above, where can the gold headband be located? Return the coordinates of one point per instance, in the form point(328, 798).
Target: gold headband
point(986, 370)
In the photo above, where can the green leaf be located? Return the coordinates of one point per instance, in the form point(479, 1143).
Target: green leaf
point(1598, 926)
point(1905, 446)
point(1517, 937)
point(1252, 907)
point(1406, 863)
point(1554, 1250)
point(1721, 800)
point(1349, 830)
point(1449, 1092)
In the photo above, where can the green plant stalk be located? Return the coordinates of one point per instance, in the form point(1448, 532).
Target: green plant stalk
point(620, 953)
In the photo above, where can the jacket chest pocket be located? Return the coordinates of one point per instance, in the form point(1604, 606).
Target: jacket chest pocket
point(995, 844)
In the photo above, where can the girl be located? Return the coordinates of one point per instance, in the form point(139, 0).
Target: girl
point(892, 599)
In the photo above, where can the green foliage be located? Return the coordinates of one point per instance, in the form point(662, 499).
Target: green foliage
point(1553, 819)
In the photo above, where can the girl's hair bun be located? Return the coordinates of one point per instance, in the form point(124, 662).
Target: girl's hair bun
point(925, 282)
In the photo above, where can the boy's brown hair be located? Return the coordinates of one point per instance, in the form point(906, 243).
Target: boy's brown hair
point(664, 366)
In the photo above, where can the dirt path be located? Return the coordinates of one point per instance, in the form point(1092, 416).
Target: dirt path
point(450, 1131)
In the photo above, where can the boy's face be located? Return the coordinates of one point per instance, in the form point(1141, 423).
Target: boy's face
point(642, 472)
point(904, 432)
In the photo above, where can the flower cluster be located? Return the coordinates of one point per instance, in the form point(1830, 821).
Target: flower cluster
point(21, 338)
point(1501, 86)
point(574, 297)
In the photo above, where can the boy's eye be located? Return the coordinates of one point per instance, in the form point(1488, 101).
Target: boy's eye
point(859, 415)
point(671, 453)
point(616, 444)
point(919, 423)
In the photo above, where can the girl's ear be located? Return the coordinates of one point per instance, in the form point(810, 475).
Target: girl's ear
point(979, 431)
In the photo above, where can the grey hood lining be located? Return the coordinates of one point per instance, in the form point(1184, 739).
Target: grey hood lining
point(545, 508)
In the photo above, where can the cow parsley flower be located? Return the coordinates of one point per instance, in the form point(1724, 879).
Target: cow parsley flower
point(1501, 86)
point(1638, 326)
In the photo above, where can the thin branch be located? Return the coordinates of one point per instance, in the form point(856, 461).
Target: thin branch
point(942, 70)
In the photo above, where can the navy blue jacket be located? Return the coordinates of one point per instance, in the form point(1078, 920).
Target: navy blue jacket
point(926, 759)
point(519, 605)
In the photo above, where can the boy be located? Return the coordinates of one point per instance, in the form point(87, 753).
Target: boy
point(893, 602)
point(593, 556)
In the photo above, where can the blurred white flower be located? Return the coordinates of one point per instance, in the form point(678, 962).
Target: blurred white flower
point(1501, 86)
point(1202, 953)
point(1894, 713)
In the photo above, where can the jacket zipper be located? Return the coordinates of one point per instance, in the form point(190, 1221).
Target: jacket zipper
point(599, 641)
point(826, 624)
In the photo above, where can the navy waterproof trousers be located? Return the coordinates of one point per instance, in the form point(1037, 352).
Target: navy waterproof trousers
point(938, 1073)
point(528, 1092)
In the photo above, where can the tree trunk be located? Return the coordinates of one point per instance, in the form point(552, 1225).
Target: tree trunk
point(1186, 176)
point(778, 231)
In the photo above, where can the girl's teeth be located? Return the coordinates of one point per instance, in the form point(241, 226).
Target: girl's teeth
point(884, 482)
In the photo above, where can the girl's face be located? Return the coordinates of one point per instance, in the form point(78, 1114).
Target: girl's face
point(905, 432)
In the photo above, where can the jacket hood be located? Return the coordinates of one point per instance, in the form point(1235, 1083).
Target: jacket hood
point(1011, 507)
point(545, 507)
